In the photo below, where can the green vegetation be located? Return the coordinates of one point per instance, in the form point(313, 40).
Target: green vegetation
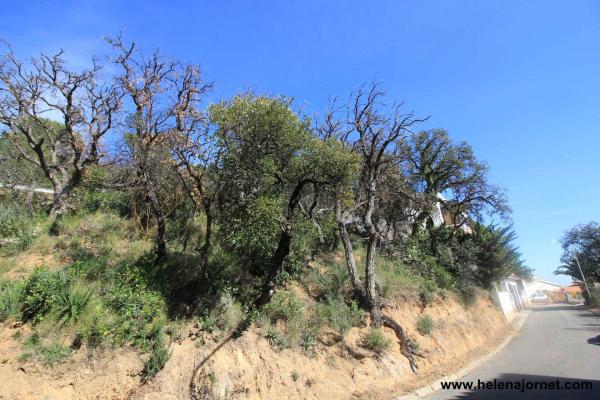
point(244, 212)
point(376, 341)
point(424, 325)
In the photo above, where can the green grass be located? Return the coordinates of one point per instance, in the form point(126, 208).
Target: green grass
point(10, 293)
point(49, 355)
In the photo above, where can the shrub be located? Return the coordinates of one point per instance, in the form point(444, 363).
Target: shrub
point(427, 291)
point(10, 293)
point(227, 313)
point(283, 306)
point(276, 339)
point(40, 291)
point(159, 354)
point(468, 293)
point(94, 332)
point(339, 315)
point(424, 324)
point(375, 340)
point(71, 304)
point(136, 309)
point(13, 221)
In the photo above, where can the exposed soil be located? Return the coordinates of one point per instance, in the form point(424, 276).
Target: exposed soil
point(249, 368)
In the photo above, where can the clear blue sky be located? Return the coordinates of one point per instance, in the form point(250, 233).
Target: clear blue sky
point(518, 80)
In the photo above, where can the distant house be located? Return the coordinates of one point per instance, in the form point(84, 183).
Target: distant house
point(572, 293)
point(441, 215)
point(551, 289)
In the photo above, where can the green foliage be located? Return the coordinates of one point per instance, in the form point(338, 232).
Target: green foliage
point(51, 354)
point(15, 223)
point(159, 354)
point(136, 309)
point(40, 291)
point(376, 341)
point(70, 304)
point(276, 339)
point(581, 244)
point(10, 293)
point(427, 291)
point(424, 324)
point(340, 315)
point(496, 256)
point(283, 306)
point(94, 331)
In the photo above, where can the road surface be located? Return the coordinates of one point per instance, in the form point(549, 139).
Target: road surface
point(556, 342)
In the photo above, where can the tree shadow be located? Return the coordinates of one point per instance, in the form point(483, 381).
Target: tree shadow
point(547, 388)
point(594, 340)
point(556, 308)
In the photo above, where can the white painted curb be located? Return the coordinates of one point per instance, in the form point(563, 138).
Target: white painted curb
point(437, 385)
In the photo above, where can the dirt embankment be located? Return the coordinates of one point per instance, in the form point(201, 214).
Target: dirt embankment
point(249, 368)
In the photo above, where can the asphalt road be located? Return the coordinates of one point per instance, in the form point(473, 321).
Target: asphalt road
point(557, 342)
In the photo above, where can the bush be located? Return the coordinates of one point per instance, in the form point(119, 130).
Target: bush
point(94, 332)
point(468, 293)
point(283, 306)
point(375, 340)
point(159, 354)
point(10, 293)
point(136, 309)
point(40, 291)
point(13, 221)
point(424, 324)
point(276, 339)
point(427, 291)
point(339, 315)
point(72, 303)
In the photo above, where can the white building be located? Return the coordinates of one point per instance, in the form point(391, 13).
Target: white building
point(536, 285)
point(512, 295)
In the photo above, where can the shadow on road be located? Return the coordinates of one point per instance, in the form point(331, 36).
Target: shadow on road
point(594, 340)
point(576, 389)
point(557, 308)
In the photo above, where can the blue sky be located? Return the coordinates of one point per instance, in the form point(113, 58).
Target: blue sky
point(518, 80)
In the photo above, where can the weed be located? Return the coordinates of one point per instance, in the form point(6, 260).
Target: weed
point(340, 316)
point(427, 291)
point(9, 300)
point(424, 324)
point(276, 339)
point(295, 375)
point(284, 306)
point(51, 354)
point(375, 340)
point(159, 355)
point(72, 303)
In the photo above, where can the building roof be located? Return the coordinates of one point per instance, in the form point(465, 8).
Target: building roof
point(572, 288)
point(543, 281)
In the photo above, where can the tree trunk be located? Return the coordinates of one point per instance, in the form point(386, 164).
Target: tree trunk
point(161, 225)
point(283, 249)
point(370, 274)
point(59, 205)
point(59, 202)
point(359, 290)
point(370, 281)
point(204, 251)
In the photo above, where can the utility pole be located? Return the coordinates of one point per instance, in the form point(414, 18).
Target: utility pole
point(587, 288)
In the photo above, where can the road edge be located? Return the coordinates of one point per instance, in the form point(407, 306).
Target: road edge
point(437, 384)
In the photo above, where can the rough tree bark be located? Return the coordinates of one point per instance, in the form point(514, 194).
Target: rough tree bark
point(283, 246)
